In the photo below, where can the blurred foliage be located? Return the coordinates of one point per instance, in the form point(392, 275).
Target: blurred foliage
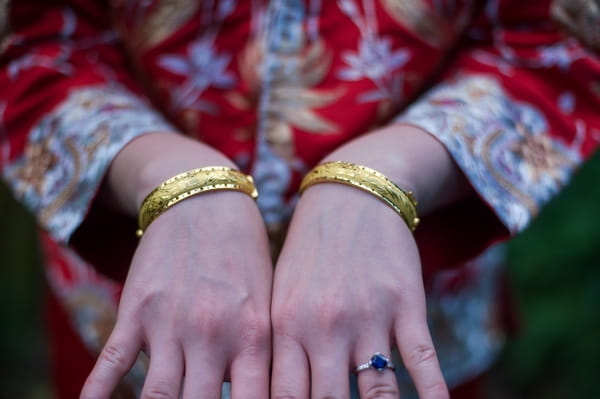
point(23, 352)
point(554, 266)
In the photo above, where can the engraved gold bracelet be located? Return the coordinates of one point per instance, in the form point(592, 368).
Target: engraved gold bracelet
point(367, 179)
point(187, 184)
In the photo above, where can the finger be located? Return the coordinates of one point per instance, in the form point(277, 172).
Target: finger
point(204, 372)
point(420, 358)
point(250, 375)
point(290, 374)
point(378, 381)
point(165, 373)
point(115, 360)
point(329, 371)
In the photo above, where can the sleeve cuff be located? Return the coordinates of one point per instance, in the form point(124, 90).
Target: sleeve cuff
point(502, 145)
point(70, 149)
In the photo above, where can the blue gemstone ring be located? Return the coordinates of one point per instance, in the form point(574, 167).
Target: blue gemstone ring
point(379, 362)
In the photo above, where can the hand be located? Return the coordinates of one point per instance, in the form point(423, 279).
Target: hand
point(197, 299)
point(348, 283)
point(197, 295)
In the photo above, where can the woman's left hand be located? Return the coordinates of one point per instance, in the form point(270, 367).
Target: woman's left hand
point(348, 284)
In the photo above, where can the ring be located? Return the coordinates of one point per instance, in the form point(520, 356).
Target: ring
point(379, 362)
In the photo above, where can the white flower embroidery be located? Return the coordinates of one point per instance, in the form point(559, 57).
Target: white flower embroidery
point(561, 55)
point(566, 102)
point(58, 62)
point(69, 23)
point(503, 145)
point(203, 67)
point(374, 60)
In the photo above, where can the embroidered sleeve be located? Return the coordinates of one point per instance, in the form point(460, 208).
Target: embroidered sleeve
point(67, 106)
point(518, 111)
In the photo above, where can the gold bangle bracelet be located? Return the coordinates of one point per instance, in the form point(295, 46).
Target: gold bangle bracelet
point(190, 183)
point(367, 179)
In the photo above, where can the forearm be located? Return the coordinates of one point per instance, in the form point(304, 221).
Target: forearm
point(148, 161)
point(411, 158)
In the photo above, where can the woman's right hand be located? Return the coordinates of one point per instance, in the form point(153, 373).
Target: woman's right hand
point(196, 298)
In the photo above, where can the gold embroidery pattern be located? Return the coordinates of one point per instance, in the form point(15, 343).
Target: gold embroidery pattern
point(581, 18)
point(164, 18)
point(69, 150)
point(503, 145)
point(294, 97)
point(419, 18)
point(101, 137)
point(39, 160)
point(3, 22)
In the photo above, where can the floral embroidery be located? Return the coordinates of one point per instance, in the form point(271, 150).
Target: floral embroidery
point(424, 21)
point(540, 160)
point(69, 151)
point(581, 18)
point(505, 146)
point(494, 60)
point(202, 67)
point(465, 324)
point(40, 159)
point(58, 62)
point(502, 145)
point(375, 59)
point(3, 21)
point(566, 102)
point(249, 64)
point(293, 99)
point(561, 55)
point(155, 21)
point(59, 58)
point(292, 68)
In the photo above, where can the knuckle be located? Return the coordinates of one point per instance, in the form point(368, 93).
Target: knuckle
point(381, 390)
point(397, 293)
point(256, 330)
point(333, 312)
point(207, 323)
point(256, 337)
point(284, 321)
point(423, 354)
point(114, 357)
point(148, 296)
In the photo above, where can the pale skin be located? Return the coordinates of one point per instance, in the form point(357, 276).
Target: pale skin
point(201, 300)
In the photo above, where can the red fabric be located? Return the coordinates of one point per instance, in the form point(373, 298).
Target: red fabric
point(37, 28)
point(78, 58)
point(473, 389)
point(70, 360)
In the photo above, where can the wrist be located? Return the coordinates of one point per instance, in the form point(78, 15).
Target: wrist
point(157, 170)
point(191, 183)
point(411, 158)
point(149, 160)
point(369, 180)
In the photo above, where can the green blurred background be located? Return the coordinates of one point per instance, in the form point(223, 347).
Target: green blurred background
point(554, 267)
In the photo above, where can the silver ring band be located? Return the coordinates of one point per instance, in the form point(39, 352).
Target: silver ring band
point(378, 361)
